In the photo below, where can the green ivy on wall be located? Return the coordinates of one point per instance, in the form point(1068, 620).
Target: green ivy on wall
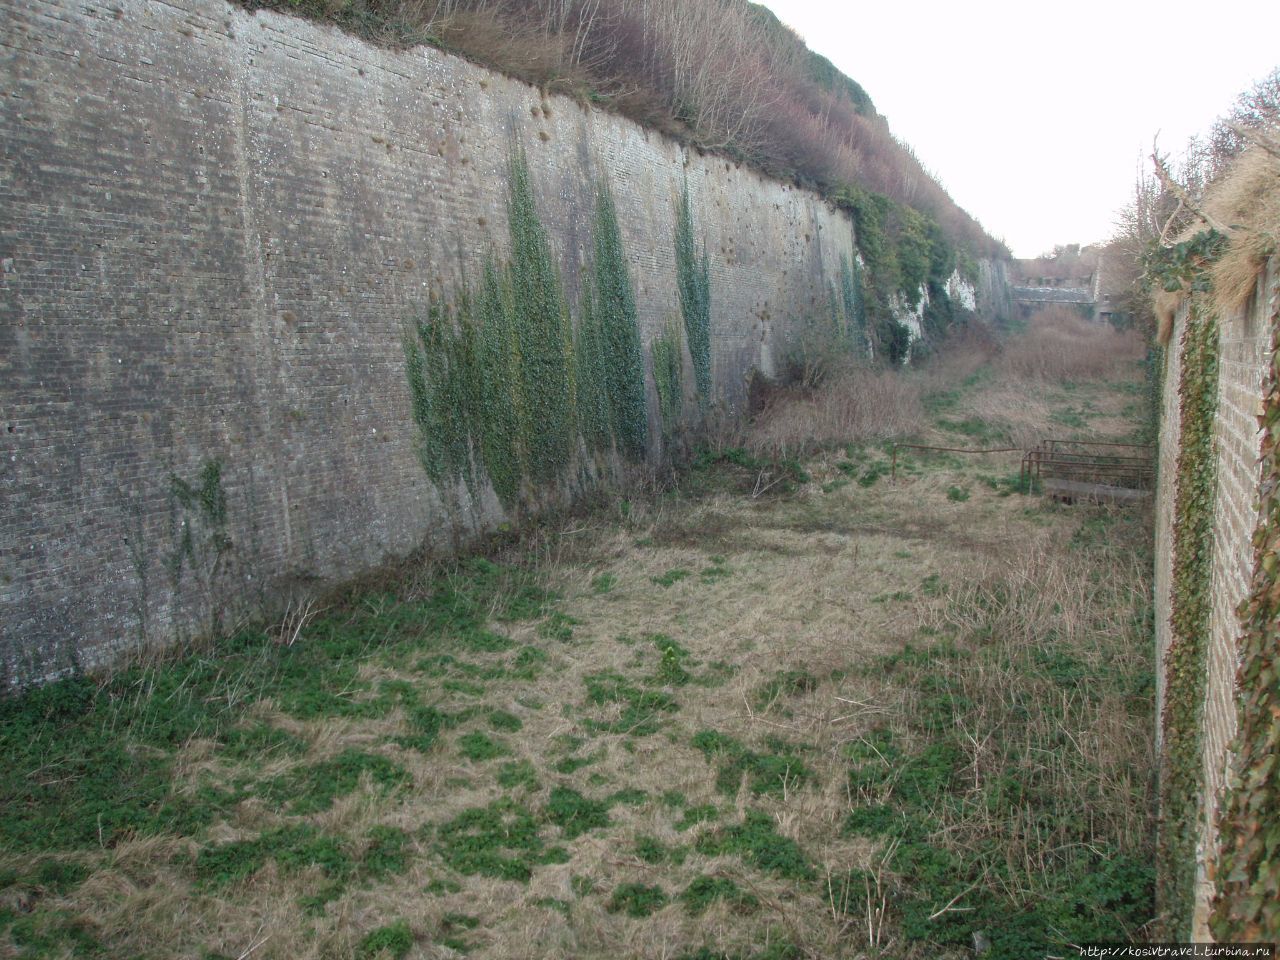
point(668, 369)
point(1181, 780)
point(1248, 876)
point(544, 334)
point(693, 278)
point(501, 382)
point(613, 310)
point(905, 253)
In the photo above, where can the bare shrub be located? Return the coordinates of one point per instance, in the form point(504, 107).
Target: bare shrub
point(1061, 345)
point(856, 405)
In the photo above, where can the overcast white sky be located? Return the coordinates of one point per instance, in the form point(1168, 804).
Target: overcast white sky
point(1034, 115)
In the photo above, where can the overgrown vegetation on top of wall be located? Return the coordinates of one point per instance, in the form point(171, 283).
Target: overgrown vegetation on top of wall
point(1181, 779)
point(1249, 858)
point(501, 382)
point(724, 74)
point(908, 257)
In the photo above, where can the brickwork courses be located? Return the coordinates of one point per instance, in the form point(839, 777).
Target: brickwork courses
point(217, 228)
point(1244, 343)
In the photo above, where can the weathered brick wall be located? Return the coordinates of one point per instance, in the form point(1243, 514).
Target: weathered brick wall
point(1166, 471)
point(215, 229)
point(1243, 355)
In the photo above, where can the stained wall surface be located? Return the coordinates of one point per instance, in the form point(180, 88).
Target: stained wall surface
point(216, 228)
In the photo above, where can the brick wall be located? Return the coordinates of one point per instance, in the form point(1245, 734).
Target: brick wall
point(1243, 355)
point(215, 229)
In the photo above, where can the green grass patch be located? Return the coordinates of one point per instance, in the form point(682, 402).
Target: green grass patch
point(704, 891)
point(757, 841)
point(642, 708)
point(575, 814)
point(479, 747)
point(637, 899)
point(311, 788)
point(394, 940)
point(672, 577)
point(773, 772)
point(499, 840)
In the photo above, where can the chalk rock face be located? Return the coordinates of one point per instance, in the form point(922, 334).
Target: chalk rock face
point(961, 291)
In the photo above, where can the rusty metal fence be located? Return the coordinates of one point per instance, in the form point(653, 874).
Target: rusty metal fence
point(1070, 469)
point(1075, 465)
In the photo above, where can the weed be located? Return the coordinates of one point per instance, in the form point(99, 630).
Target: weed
point(774, 772)
point(519, 773)
point(313, 787)
point(957, 494)
point(603, 583)
point(717, 571)
point(500, 840)
point(671, 577)
point(696, 814)
point(504, 720)
point(637, 899)
point(757, 841)
point(386, 854)
point(704, 890)
point(569, 765)
point(528, 663)
point(574, 814)
point(782, 685)
point(558, 626)
point(641, 708)
point(478, 747)
point(654, 851)
point(394, 940)
point(292, 848)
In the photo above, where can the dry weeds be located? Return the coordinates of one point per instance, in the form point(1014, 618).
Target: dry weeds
point(822, 585)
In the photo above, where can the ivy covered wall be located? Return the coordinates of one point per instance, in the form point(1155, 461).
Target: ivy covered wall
point(1216, 622)
point(380, 295)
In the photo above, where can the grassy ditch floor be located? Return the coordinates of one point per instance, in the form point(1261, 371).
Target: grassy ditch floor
point(785, 711)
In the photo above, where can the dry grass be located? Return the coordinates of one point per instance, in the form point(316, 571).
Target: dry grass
point(1247, 199)
point(856, 405)
point(828, 585)
point(1060, 345)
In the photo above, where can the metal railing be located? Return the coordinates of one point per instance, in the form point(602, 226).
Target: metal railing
point(1129, 466)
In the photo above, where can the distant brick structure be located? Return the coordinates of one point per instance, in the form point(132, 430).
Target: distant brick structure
point(1243, 355)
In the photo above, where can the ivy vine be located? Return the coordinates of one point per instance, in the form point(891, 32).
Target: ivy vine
point(1248, 904)
point(502, 384)
point(1182, 266)
point(1181, 782)
point(693, 278)
point(668, 368)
